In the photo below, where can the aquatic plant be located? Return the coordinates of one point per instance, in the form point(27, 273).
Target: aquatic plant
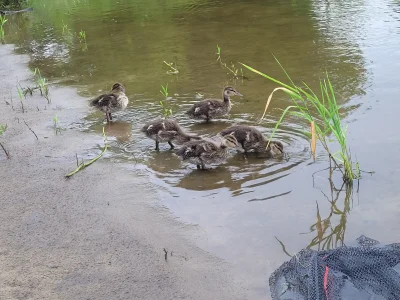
point(3, 21)
point(232, 69)
point(2, 128)
point(164, 90)
point(42, 84)
point(173, 70)
point(82, 36)
point(324, 122)
point(20, 94)
point(82, 165)
point(167, 112)
point(56, 125)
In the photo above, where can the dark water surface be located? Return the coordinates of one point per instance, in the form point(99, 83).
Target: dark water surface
point(242, 207)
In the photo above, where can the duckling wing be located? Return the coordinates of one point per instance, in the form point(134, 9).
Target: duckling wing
point(204, 107)
point(106, 100)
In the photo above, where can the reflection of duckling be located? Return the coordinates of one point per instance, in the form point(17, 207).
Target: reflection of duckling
point(121, 130)
point(205, 152)
point(211, 108)
point(252, 140)
point(166, 130)
point(114, 101)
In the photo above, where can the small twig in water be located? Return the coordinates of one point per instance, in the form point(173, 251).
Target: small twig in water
point(83, 164)
point(166, 254)
point(31, 130)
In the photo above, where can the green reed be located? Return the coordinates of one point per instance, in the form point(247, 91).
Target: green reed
point(326, 120)
point(3, 21)
point(167, 112)
point(56, 125)
point(42, 84)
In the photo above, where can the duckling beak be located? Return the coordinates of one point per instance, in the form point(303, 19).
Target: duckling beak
point(238, 94)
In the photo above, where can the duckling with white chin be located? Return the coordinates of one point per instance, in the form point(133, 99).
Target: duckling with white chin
point(206, 151)
point(114, 101)
point(167, 130)
point(211, 108)
point(252, 140)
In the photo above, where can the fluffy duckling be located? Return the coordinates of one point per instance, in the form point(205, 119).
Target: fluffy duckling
point(252, 140)
point(204, 152)
point(210, 108)
point(113, 101)
point(167, 130)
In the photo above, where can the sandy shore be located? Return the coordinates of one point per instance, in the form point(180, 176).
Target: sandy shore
point(97, 235)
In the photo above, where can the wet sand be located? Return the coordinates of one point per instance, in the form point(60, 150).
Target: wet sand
point(97, 235)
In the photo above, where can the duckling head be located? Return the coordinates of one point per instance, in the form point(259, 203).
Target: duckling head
point(275, 147)
point(230, 91)
point(229, 141)
point(118, 88)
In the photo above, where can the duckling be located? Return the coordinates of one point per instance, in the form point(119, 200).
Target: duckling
point(211, 108)
point(114, 101)
point(204, 151)
point(252, 140)
point(167, 130)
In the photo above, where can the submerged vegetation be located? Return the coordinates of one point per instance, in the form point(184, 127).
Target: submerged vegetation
point(322, 113)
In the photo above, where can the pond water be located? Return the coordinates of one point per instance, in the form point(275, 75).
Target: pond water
point(245, 206)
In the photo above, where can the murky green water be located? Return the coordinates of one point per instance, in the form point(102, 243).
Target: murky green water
point(242, 205)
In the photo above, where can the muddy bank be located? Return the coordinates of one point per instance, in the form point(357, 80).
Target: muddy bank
point(98, 235)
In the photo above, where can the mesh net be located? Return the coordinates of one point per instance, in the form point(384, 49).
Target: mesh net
point(368, 271)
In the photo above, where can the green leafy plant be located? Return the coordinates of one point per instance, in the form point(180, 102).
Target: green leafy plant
point(232, 69)
point(3, 21)
point(42, 84)
point(56, 125)
point(167, 112)
point(20, 94)
point(323, 112)
point(164, 90)
point(82, 36)
point(3, 128)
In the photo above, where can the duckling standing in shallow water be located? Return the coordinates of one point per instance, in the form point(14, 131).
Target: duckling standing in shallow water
point(167, 130)
point(210, 108)
point(204, 152)
point(111, 102)
point(252, 140)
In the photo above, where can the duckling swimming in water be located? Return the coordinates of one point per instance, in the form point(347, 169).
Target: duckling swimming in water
point(167, 130)
point(204, 151)
point(114, 101)
point(210, 108)
point(252, 140)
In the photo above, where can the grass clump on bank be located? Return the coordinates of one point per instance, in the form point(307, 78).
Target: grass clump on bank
point(324, 121)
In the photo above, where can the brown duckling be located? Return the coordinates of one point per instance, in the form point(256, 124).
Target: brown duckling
point(114, 101)
point(206, 151)
point(252, 140)
point(167, 130)
point(211, 108)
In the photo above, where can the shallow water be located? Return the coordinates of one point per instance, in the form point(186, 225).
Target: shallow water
point(244, 206)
